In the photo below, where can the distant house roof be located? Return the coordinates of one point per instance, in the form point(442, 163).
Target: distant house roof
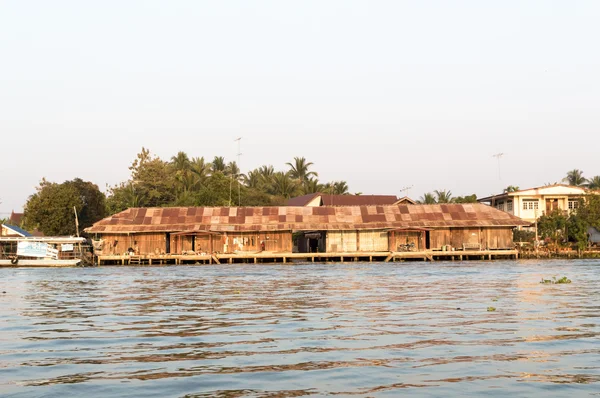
point(283, 218)
point(405, 201)
point(14, 230)
point(554, 189)
point(342, 200)
point(15, 218)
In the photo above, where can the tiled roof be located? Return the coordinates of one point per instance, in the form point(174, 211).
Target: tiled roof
point(344, 200)
point(177, 219)
point(15, 218)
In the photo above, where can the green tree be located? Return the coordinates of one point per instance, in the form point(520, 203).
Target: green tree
point(577, 231)
point(300, 169)
point(215, 192)
point(284, 185)
point(575, 178)
point(312, 185)
point(443, 196)
point(200, 169)
point(551, 226)
point(181, 162)
point(122, 197)
point(267, 173)
point(465, 199)
point(511, 188)
point(594, 182)
point(50, 209)
point(341, 188)
point(218, 164)
point(253, 179)
point(427, 199)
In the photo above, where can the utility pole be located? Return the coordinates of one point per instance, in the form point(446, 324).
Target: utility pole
point(239, 141)
point(76, 221)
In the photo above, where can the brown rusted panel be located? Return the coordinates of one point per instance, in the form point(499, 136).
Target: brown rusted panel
point(303, 218)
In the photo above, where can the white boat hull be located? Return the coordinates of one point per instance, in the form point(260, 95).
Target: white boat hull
point(40, 263)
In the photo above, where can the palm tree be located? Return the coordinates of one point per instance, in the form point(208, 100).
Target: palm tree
point(267, 173)
point(284, 185)
point(181, 161)
point(233, 170)
point(575, 178)
point(299, 169)
point(594, 182)
point(443, 196)
point(253, 179)
point(312, 185)
point(511, 188)
point(427, 199)
point(340, 188)
point(200, 169)
point(218, 164)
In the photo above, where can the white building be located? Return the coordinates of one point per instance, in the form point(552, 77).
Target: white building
point(530, 204)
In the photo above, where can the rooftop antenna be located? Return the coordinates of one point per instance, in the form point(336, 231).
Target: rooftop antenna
point(498, 156)
point(406, 189)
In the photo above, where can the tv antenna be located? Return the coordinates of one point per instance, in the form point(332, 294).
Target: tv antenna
point(406, 189)
point(498, 156)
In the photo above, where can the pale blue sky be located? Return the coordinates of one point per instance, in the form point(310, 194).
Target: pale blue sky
point(384, 94)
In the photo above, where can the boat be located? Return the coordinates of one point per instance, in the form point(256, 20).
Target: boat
point(30, 251)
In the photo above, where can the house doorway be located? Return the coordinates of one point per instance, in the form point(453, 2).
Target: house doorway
point(168, 243)
point(551, 205)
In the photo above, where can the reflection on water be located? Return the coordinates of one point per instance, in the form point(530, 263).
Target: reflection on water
point(301, 330)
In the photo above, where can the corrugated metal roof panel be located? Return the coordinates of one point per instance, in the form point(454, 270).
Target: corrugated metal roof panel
point(304, 218)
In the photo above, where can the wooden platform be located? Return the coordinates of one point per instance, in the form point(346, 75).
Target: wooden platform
point(287, 257)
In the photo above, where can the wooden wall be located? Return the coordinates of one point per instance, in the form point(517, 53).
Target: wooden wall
point(373, 241)
point(499, 238)
point(145, 243)
point(487, 238)
point(341, 241)
point(280, 241)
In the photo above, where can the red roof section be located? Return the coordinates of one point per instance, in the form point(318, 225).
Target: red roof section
point(15, 219)
point(178, 219)
point(343, 200)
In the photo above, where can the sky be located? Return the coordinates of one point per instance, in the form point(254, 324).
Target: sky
point(386, 95)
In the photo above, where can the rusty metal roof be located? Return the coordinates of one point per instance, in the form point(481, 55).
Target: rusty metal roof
point(221, 219)
point(343, 200)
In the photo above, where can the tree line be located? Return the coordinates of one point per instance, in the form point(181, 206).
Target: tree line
point(180, 181)
point(185, 181)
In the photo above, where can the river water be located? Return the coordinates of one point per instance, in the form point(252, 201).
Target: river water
point(357, 329)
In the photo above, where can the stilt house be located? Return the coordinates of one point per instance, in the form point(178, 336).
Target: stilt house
point(179, 230)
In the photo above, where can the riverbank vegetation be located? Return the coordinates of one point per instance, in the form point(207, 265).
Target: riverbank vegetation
point(193, 181)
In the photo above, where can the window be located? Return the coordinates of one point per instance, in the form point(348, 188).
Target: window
point(530, 204)
point(573, 204)
point(500, 206)
point(509, 205)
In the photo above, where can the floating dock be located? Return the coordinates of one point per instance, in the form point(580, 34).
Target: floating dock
point(287, 257)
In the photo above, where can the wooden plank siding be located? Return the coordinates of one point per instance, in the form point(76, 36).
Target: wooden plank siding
point(341, 241)
point(373, 241)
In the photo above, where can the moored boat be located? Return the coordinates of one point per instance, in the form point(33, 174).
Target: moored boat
point(42, 251)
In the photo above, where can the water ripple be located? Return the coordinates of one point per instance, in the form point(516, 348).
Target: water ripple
point(302, 330)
